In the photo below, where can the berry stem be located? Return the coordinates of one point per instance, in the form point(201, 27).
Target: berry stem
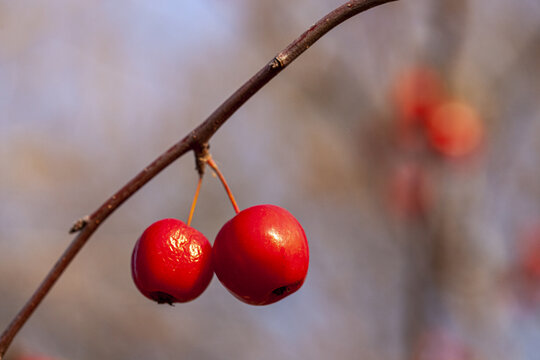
point(194, 202)
point(214, 167)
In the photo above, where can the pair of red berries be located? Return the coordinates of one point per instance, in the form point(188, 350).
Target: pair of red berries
point(261, 256)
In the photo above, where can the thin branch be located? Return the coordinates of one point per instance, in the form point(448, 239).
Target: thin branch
point(194, 140)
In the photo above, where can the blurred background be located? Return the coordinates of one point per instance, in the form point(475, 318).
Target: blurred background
point(405, 141)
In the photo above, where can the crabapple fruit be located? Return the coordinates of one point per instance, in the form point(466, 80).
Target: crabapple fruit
point(416, 92)
point(261, 255)
point(171, 262)
point(409, 190)
point(454, 129)
point(440, 344)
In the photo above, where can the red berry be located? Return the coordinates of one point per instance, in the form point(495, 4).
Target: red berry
point(531, 260)
point(416, 92)
point(439, 344)
point(261, 255)
point(171, 262)
point(528, 267)
point(455, 129)
point(409, 191)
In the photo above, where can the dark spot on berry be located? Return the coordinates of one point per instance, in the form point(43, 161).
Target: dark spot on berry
point(163, 298)
point(287, 288)
point(280, 290)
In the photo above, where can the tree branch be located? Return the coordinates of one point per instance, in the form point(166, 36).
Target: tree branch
point(196, 139)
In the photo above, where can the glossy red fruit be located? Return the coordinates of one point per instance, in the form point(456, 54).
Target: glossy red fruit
point(171, 262)
point(261, 255)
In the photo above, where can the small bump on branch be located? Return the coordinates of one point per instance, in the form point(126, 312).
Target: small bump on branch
point(202, 153)
point(79, 224)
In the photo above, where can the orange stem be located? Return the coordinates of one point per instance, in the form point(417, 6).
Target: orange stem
point(214, 167)
point(194, 202)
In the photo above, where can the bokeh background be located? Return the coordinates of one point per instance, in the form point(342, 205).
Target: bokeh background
point(91, 92)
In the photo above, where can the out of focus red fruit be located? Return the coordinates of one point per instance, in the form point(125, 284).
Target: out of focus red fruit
point(530, 255)
point(408, 192)
point(440, 345)
point(34, 357)
point(416, 93)
point(528, 267)
point(455, 129)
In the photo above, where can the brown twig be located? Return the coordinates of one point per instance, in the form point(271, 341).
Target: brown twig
point(196, 139)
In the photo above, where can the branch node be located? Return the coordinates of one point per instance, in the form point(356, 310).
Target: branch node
point(79, 224)
point(276, 63)
point(202, 153)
